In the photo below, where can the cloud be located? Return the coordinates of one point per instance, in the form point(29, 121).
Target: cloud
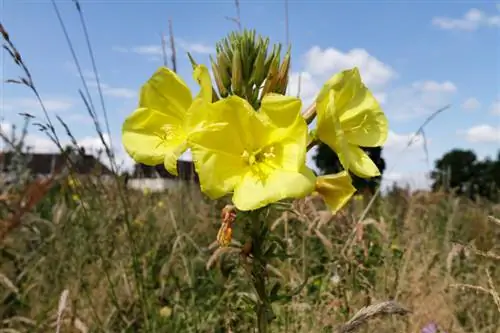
point(156, 50)
point(471, 104)
point(320, 64)
point(482, 134)
point(110, 91)
point(374, 72)
point(435, 87)
point(198, 48)
point(31, 105)
point(419, 99)
point(397, 142)
point(495, 108)
point(472, 20)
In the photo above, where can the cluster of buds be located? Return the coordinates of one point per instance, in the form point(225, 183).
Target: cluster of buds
point(244, 67)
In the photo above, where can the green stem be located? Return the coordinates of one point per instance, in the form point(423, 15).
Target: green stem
point(263, 308)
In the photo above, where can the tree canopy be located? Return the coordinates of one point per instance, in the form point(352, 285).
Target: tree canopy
point(461, 171)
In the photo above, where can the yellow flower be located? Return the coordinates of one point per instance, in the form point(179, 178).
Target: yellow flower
point(336, 189)
point(260, 156)
point(165, 312)
point(349, 116)
point(156, 132)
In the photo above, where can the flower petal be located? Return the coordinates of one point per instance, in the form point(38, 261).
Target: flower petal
point(149, 135)
point(167, 93)
point(336, 189)
point(217, 148)
point(172, 156)
point(256, 191)
point(202, 76)
point(289, 130)
point(281, 111)
point(355, 159)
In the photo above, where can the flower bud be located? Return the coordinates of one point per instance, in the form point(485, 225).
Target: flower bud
point(236, 74)
point(217, 76)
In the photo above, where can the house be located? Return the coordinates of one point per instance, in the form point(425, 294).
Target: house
point(157, 178)
point(45, 164)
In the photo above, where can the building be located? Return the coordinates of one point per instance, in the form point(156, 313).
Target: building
point(157, 178)
point(45, 164)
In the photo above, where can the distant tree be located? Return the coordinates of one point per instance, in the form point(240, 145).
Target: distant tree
point(460, 170)
point(328, 162)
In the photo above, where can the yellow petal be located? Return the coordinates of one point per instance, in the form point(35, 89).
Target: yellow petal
point(355, 159)
point(336, 189)
point(281, 111)
point(256, 190)
point(362, 120)
point(148, 136)
point(217, 149)
point(172, 156)
point(167, 93)
point(202, 76)
point(289, 133)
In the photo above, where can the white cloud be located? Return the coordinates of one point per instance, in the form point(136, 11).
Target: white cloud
point(435, 87)
point(495, 108)
point(329, 61)
point(419, 99)
point(483, 133)
point(191, 47)
point(156, 50)
point(471, 104)
point(397, 142)
point(117, 92)
point(31, 105)
point(472, 20)
point(320, 64)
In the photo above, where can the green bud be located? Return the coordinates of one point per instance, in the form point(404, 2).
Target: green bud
point(224, 66)
point(272, 77)
point(236, 74)
point(259, 74)
point(220, 85)
point(283, 74)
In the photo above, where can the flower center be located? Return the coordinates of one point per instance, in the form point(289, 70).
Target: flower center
point(168, 132)
point(258, 156)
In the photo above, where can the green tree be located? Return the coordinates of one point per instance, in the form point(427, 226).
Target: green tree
point(327, 162)
point(460, 170)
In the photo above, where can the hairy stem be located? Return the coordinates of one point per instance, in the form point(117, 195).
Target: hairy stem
point(263, 308)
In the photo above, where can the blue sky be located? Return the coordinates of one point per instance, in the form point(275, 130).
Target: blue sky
point(415, 56)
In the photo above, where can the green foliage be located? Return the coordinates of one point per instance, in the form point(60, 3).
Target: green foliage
point(328, 162)
point(460, 170)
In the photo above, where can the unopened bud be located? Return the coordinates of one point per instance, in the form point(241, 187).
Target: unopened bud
point(259, 73)
point(237, 75)
point(224, 68)
point(220, 85)
point(283, 74)
point(272, 76)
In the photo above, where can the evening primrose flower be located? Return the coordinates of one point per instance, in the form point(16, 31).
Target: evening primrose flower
point(156, 132)
point(260, 156)
point(349, 116)
point(336, 189)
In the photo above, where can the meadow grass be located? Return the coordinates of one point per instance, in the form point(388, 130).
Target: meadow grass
point(71, 264)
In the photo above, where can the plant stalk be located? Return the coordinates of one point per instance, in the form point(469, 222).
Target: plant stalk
point(263, 309)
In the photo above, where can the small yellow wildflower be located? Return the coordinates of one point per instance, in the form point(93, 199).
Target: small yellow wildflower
point(165, 312)
point(258, 155)
point(157, 130)
point(349, 116)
